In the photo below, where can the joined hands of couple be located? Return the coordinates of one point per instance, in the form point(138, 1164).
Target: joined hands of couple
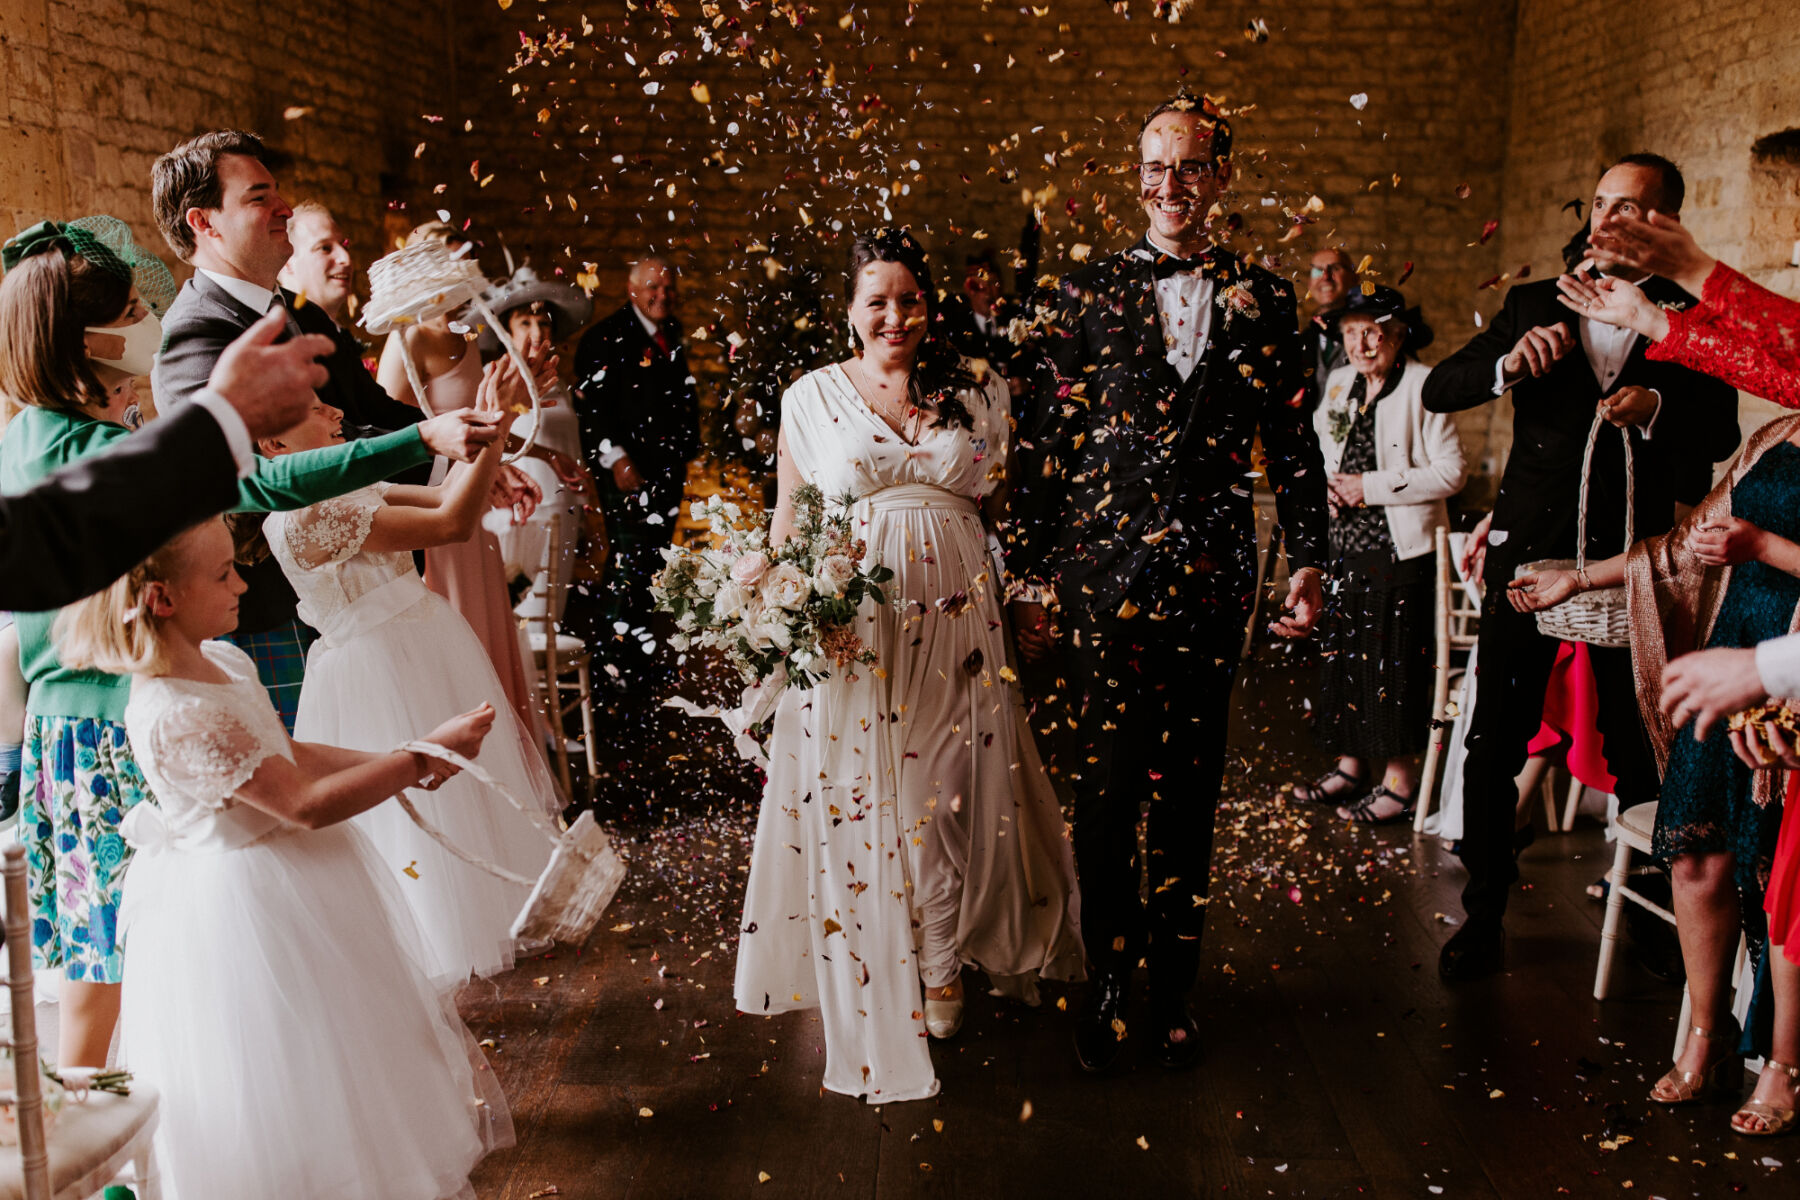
point(1300, 611)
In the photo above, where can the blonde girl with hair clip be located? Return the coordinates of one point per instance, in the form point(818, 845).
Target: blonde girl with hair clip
point(276, 977)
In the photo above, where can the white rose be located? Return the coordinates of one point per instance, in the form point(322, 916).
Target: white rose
point(749, 568)
point(786, 587)
point(730, 601)
point(833, 574)
point(770, 630)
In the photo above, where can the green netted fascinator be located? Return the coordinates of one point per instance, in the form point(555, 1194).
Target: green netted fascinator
point(105, 242)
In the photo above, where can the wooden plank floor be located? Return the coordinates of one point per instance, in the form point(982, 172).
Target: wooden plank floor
point(1337, 1063)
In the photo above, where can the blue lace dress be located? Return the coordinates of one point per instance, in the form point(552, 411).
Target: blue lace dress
point(1706, 803)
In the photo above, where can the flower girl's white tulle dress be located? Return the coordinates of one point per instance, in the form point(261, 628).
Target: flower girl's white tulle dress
point(276, 998)
point(394, 661)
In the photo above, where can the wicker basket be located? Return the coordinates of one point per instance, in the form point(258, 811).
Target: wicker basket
point(425, 280)
point(1597, 617)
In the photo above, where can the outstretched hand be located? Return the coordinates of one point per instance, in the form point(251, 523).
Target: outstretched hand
point(1708, 686)
point(464, 735)
point(1613, 301)
point(460, 435)
point(271, 384)
point(1659, 244)
point(1538, 590)
point(1304, 605)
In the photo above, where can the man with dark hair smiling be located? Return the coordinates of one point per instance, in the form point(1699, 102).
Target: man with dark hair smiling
point(219, 209)
point(1678, 423)
point(1134, 521)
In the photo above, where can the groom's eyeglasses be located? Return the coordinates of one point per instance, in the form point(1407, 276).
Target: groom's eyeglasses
point(1191, 170)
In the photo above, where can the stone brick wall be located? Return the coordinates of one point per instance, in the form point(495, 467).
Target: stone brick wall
point(94, 90)
point(959, 104)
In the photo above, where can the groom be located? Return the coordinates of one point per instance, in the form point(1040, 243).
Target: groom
point(1134, 521)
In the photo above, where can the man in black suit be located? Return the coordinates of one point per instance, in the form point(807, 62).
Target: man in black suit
point(219, 209)
point(1163, 365)
point(1561, 371)
point(86, 525)
point(640, 427)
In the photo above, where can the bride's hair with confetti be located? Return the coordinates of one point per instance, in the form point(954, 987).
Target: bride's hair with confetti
point(940, 374)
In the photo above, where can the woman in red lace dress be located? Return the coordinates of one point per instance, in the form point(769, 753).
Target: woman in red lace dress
point(1750, 337)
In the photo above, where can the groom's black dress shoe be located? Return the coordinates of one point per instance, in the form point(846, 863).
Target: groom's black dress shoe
point(1475, 951)
point(1097, 1038)
point(1176, 1055)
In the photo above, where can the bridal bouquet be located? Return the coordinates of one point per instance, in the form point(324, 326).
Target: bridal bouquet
point(787, 611)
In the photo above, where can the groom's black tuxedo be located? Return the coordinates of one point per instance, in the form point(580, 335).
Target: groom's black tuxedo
point(1132, 473)
point(1535, 517)
point(1134, 500)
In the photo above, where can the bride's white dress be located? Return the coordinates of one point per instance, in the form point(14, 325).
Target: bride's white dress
point(276, 999)
point(394, 661)
point(907, 826)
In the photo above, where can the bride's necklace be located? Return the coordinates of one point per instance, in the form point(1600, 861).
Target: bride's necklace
point(901, 416)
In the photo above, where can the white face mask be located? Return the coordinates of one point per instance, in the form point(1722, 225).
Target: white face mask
point(142, 340)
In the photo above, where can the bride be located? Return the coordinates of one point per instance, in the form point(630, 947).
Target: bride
point(907, 827)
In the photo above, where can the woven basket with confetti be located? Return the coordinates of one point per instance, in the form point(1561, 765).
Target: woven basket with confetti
point(427, 280)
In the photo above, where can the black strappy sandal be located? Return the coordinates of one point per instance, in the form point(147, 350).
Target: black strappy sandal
point(1315, 793)
point(1363, 811)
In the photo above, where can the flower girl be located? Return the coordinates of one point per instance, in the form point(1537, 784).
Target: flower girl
point(392, 657)
point(276, 998)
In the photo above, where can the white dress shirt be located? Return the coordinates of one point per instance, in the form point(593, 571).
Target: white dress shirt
point(1184, 302)
point(253, 296)
point(1607, 347)
point(1778, 662)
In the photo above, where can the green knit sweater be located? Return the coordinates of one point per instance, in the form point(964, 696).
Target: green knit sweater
point(40, 440)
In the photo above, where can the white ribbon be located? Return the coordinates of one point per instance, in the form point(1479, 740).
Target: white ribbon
point(145, 828)
point(754, 706)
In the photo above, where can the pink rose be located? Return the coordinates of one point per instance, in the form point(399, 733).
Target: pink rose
point(749, 569)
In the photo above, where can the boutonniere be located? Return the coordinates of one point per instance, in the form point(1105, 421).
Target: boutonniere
point(1339, 413)
point(1238, 301)
point(1674, 305)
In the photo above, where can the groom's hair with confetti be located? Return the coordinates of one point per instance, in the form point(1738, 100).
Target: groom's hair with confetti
point(1206, 109)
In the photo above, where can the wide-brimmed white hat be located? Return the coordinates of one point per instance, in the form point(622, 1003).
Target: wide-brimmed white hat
point(569, 309)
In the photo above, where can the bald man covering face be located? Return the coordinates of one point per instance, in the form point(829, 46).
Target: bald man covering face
point(640, 427)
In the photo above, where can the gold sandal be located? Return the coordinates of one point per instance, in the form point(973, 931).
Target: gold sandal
point(1687, 1087)
point(1775, 1121)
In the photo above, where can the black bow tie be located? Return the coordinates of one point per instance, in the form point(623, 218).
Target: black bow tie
point(1164, 265)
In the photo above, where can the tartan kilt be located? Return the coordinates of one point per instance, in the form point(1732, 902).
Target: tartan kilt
point(280, 658)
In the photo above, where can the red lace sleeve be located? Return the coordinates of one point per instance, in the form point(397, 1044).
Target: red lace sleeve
point(1740, 332)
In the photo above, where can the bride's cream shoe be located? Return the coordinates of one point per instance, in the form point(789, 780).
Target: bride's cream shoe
point(944, 1018)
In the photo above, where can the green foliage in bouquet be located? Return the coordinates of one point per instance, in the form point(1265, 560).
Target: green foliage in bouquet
point(792, 609)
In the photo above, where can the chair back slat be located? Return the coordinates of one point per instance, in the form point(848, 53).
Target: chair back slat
point(28, 1085)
